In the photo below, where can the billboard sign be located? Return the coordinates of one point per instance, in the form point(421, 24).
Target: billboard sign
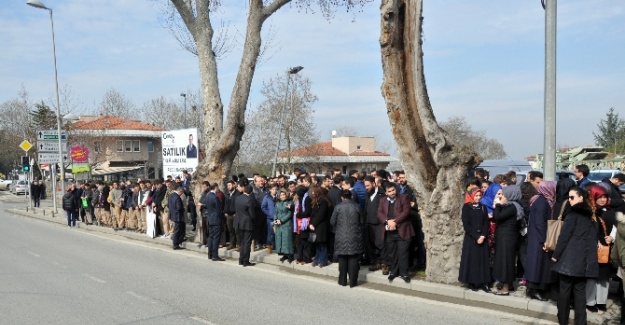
point(180, 151)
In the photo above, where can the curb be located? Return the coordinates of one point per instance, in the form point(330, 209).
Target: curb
point(512, 304)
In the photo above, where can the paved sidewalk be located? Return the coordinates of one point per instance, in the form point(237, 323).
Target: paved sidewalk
point(515, 303)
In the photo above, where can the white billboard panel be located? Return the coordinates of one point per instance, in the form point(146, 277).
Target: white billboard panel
point(180, 151)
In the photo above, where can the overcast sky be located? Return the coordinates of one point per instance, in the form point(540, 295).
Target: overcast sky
point(484, 60)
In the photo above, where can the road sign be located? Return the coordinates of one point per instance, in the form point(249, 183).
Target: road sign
point(25, 145)
point(47, 158)
point(51, 135)
point(51, 146)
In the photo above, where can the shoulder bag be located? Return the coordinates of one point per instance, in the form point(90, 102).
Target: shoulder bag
point(553, 230)
point(603, 251)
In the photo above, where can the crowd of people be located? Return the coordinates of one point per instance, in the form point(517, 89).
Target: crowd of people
point(372, 219)
point(353, 220)
point(505, 240)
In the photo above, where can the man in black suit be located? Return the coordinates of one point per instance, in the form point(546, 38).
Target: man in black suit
point(245, 213)
point(214, 216)
point(191, 148)
point(176, 215)
point(373, 240)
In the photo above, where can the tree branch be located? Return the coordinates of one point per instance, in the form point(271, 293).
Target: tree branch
point(273, 7)
point(186, 12)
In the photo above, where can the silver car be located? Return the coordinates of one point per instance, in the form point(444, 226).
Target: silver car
point(20, 187)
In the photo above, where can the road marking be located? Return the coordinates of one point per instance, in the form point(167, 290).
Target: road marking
point(202, 320)
point(95, 279)
point(33, 254)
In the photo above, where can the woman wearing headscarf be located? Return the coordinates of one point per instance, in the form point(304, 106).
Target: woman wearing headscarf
point(538, 269)
point(507, 213)
point(283, 221)
point(527, 192)
point(474, 268)
point(575, 256)
point(488, 200)
point(597, 288)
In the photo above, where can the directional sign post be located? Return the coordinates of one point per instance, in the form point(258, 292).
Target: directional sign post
point(51, 146)
point(51, 158)
point(51, 135)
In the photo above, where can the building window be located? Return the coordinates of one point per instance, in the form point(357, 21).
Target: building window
point(136, 145)
point(358, 147)
point(128, 145)
point(150, 146)
point(120, 145)
point(96, 146)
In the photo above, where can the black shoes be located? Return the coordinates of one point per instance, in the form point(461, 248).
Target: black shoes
point(391, 277)
point(592, 309)
point(535, 295)
point(406, 278)
point(178, 247)
point(248, 264)
point(217, 259)
point(486, 288)
point(283, 258)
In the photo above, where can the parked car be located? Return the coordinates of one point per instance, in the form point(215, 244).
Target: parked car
point(20, 187)
point(597, 175)
point(560, 173)
point(5, 184)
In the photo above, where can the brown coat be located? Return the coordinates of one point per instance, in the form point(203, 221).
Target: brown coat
point(402, 210)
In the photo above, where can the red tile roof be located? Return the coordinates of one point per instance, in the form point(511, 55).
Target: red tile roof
point(326, 149)
point(114, 123)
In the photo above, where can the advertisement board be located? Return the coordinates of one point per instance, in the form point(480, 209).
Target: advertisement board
point(180, 151)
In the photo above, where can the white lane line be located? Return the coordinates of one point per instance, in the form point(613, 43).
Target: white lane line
point(95, 279)
point(202, 320)
point(33, 254)
point(138, 296)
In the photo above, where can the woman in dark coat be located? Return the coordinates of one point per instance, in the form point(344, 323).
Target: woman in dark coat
point(301, 220)
point(597, 288)
point(538, 266)
point(575, 256)
point(348, 239)
point(506, 214)
point(488, 200)
point(319, 219)
point(474, 268)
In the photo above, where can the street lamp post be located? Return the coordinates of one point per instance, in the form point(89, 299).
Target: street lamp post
point(289, 72)
point(38, 4)
point(550, 89)
point(185, 109)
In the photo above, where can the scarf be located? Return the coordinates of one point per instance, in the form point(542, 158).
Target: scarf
point(546, 189)
point(513, 194)
point(489, 196)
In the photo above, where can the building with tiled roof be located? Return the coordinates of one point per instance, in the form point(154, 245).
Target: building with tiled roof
point(118, 148)
point(344, 153)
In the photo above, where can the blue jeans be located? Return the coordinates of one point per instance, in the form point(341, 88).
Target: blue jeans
point(71, 218)
point(321, 256)
point(271, 236)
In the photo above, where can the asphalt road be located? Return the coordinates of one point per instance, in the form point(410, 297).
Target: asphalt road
point(50, 274)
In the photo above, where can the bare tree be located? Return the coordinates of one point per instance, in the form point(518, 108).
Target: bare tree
point(14, 126)
point(462, 134)
point(435, 166)
point(222, 142)
point(162, 112)
point(346, 131)
point(116, 104)
point(288, 114)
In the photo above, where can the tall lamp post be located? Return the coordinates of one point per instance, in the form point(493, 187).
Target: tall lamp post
point(549, 165)
point(185, 109)
point(289, 72)
point(38, 4)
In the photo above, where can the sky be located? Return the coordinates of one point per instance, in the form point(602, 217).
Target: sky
point(484, 60)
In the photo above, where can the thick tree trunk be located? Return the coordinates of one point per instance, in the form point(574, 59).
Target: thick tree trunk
point(435, 168)
point(221, 142)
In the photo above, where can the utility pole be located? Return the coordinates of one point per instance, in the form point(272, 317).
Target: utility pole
point(550, 90)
